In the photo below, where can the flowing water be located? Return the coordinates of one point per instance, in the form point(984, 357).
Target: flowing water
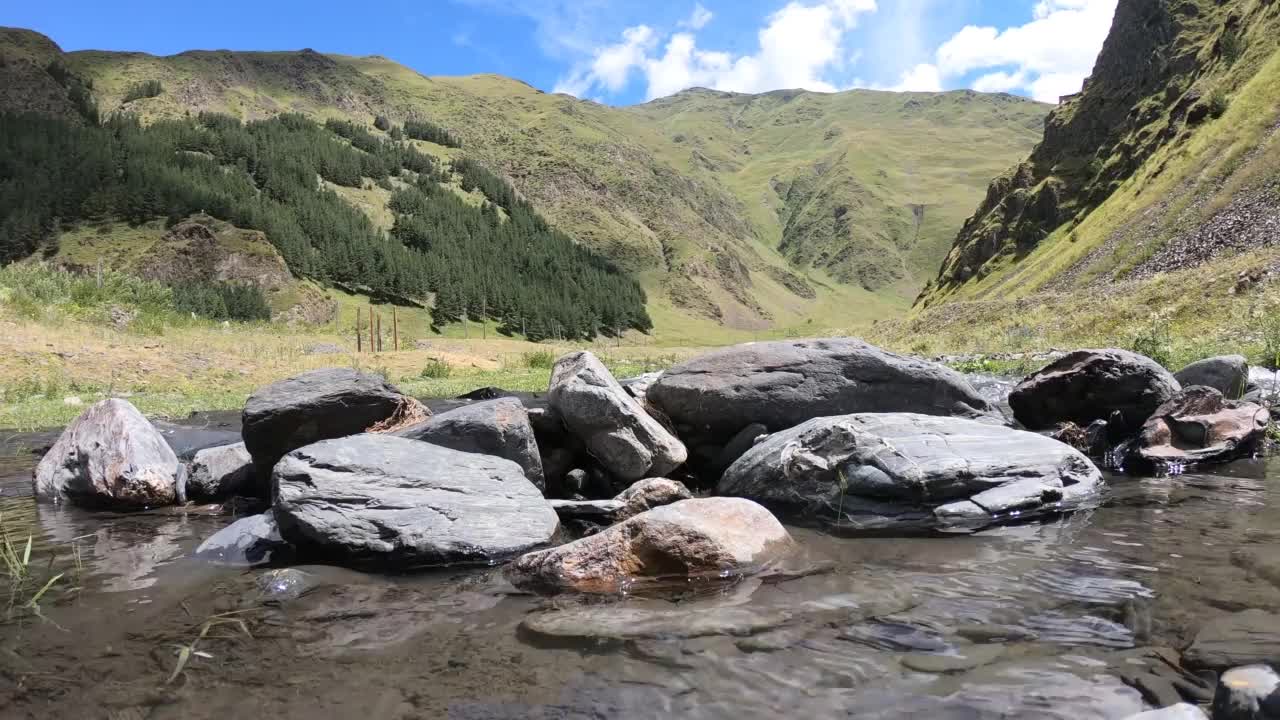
point(1029, 621)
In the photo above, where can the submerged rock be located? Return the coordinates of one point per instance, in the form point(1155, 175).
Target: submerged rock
point(617, 431)
point(1248, 693)
point(880, 470)
point(390, 500)
point(316, 405)
point(110, 456)
point(495, 427)
point(1197, 426)
point(1121, 387)
point(782, 384)
point(712, 536)
point(221, 472)
point(1228, 374)
point(246, 542)
point(1181, 711)
point(1244, 638)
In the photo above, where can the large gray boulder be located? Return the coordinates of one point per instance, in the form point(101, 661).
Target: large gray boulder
point(221, 472)
point(316, 405)
point(394, 501)
point(782, 384)
point(1121, 387)
point(1228, 374)
point(877, 470)
point(616, 430)
point(494, 427)
point(110, 456)
point(707, 537)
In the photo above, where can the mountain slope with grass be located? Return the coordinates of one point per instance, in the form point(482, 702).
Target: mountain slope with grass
point(738, 213)
point(1151, 208)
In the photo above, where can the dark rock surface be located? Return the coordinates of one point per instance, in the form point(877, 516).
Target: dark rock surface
point(390, 500)
point(708, 537)
point(1198, 426)
point(1228, 374)
point(616, 430)
point(876, 470)
point(254, 540)
point(316, 405)
point(782, 384)
point(221, 472)
point(494, 427)
point(110, 456)
point(1121, 387)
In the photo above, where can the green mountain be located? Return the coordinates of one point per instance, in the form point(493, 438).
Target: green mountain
point(1153, 198)
point(735, 211)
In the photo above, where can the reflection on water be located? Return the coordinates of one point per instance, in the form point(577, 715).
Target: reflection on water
point(891, 630)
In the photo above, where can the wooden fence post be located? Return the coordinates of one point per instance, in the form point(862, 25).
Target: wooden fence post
point(359, 336)
point(373, 347)
point(395, 328)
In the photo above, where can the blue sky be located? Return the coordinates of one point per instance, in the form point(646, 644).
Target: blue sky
point(626, 51)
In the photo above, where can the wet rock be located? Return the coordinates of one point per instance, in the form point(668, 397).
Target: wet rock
point(313, 406)
point(495, 427)
point(988, 633)
point(284, 584)
point(962, 659)
point(643, 495)
point(1198, 426)
point(110, 456)
point(1119, 386)
point(883, 470)
point(1248, 693)
point(782, 384)
point(1181, 711)
point(246, 542)
point(221, 472)
point(712, 536)
point(390, 500)
point(614, 427)
point(1262, 560)
point(1244, 638)
point(1228, 374)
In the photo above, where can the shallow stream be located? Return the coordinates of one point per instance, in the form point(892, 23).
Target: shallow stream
point(1028, 621)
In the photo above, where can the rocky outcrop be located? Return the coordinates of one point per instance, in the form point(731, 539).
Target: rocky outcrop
point(869, 471)
point(1249, 637)
point(316, 405)
point(221, 472)
point(1228, 374)
point(643, 495)
point(495, 427)
point(1247, 693)
point(782, 384)
point(110, 456)
point(711, 537)
point(616, 430)
point(392, 501)
point(1198, 426)
point(1121, 387)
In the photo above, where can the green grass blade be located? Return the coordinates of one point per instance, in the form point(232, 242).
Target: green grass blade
point(26, 554)
point(184, 654)
point(36, 598)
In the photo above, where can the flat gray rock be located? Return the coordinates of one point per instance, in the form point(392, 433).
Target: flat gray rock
point(316, 405)
point(1228, 374)
point(221, 472)
point(110, 456)
point(616, 430)
point(494, 427)
point(1119, 386)
point(400, 502)
point(886, 469)
point(782, 384)
point(1245, 638)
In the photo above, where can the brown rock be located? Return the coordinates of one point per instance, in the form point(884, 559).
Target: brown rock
point(1198, 425)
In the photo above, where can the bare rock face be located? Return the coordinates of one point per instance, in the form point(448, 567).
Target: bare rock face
point(1228, 374)
point(616, 430)
point(884, 470)
point(316, 405)
point(782, 384)
point(1121, 387)
point(494, 427)
point(110, 456)
point(396, 502)
point(1197, 426)
point(710, 536)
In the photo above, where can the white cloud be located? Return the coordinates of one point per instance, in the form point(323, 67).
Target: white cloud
point(799, 46)
point(699, 19)
point(1050, 56)
point(921, 78)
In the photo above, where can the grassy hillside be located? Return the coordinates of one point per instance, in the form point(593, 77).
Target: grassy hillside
point(740, 213)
